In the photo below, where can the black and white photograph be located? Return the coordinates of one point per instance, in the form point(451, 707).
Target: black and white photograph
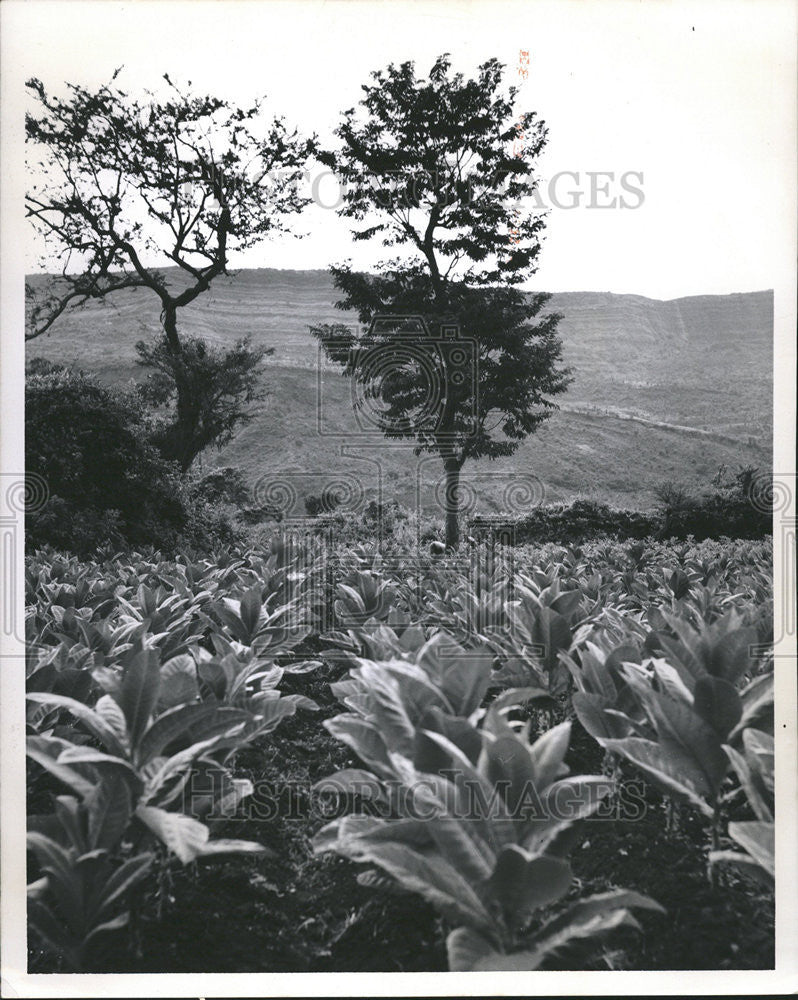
point(398, 499)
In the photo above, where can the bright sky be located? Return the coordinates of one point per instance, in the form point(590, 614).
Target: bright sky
point(698, 97)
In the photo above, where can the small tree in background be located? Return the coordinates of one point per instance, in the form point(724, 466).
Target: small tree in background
point(119, 182)
point(219, 386)
point(434, 167)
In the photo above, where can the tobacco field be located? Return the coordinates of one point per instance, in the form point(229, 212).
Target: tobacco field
point(306, 757)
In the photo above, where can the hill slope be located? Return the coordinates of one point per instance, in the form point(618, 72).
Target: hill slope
point(662, 390)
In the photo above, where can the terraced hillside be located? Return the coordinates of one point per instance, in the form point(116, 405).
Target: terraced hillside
point(662, 390)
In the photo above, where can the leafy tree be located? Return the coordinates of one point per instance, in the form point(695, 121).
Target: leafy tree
point(123, 187)
point(218, 385)
point(434, 167)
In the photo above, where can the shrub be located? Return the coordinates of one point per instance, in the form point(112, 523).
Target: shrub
point(224, 485)
point(107, 484)
point(326, 503)
point(731, 507)
point(726, 511)
point(581, 520)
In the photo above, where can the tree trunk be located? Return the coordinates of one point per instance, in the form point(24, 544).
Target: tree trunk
point(186, 425)
point(452, 503)
point(182, 448)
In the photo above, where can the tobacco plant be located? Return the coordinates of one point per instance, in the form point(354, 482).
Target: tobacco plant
point(754, 769)
point(86, 876)
point(476, 826)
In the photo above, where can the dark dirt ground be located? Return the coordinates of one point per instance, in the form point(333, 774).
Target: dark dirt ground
point(296, 912)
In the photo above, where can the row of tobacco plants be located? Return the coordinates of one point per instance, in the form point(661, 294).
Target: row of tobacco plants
point(459, 681)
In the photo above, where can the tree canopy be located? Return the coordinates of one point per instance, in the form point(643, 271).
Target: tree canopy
point(436, 160)
point(123, 187)
point(434, 166)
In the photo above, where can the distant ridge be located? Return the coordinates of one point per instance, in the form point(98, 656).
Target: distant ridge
point(663, 388)
point(323, 274)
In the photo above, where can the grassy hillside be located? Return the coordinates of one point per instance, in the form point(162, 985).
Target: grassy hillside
point(662, 390)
